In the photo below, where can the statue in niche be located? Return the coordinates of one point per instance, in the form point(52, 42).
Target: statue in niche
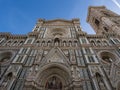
point(100, 81)
point(8, 79)
point(53, 83)
point(75, 73)
point(109, 64)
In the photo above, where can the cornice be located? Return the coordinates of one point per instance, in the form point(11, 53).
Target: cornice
point(33, 34)
point(13, 36)
point(62, 20)
point(18, 36)
point(95, 36)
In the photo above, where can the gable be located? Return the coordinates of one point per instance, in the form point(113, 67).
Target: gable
point(56, 58)
point(55, 55)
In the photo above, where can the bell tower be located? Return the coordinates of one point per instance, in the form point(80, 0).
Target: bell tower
point(103, 20)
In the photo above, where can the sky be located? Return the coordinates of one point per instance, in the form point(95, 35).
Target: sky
point(20, 16)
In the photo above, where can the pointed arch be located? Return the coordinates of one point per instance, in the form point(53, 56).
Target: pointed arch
point(100, 82)
point(97, 22)
point(93, 42)
point(54, 70)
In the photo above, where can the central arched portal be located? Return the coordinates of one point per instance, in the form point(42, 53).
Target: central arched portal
point(54, 77)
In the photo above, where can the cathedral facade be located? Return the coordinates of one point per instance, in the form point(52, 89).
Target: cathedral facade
point(58, 55)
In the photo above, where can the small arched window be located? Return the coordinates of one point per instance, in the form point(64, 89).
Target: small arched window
point(64, 43)
point(48, 43)
point(9, 42)
point(37, 42)
point(43, 43)
point(97, 22)
point(98, 43)
point(92, 42)
point(56, 40)
point(9, 75)
point(105, 43)
point(98, 77)
point(106, 29)
point(2, 41)
point(70, 43)
point(75, 43)
point(15, 43)
point(21, 42)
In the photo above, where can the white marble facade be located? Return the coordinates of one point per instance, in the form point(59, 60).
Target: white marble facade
point(58, 55)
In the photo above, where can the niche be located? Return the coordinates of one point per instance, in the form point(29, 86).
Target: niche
point(97, 22)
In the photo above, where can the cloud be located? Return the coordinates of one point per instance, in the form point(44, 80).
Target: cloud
point(116, 2)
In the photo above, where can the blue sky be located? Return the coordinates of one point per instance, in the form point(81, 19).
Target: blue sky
point(20, 16)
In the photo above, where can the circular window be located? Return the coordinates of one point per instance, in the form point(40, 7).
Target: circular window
point(57, 33)
point(108, 57)
point(5, 56)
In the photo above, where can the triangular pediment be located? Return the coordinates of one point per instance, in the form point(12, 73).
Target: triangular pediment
point(56, 58)
point(55, 55)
